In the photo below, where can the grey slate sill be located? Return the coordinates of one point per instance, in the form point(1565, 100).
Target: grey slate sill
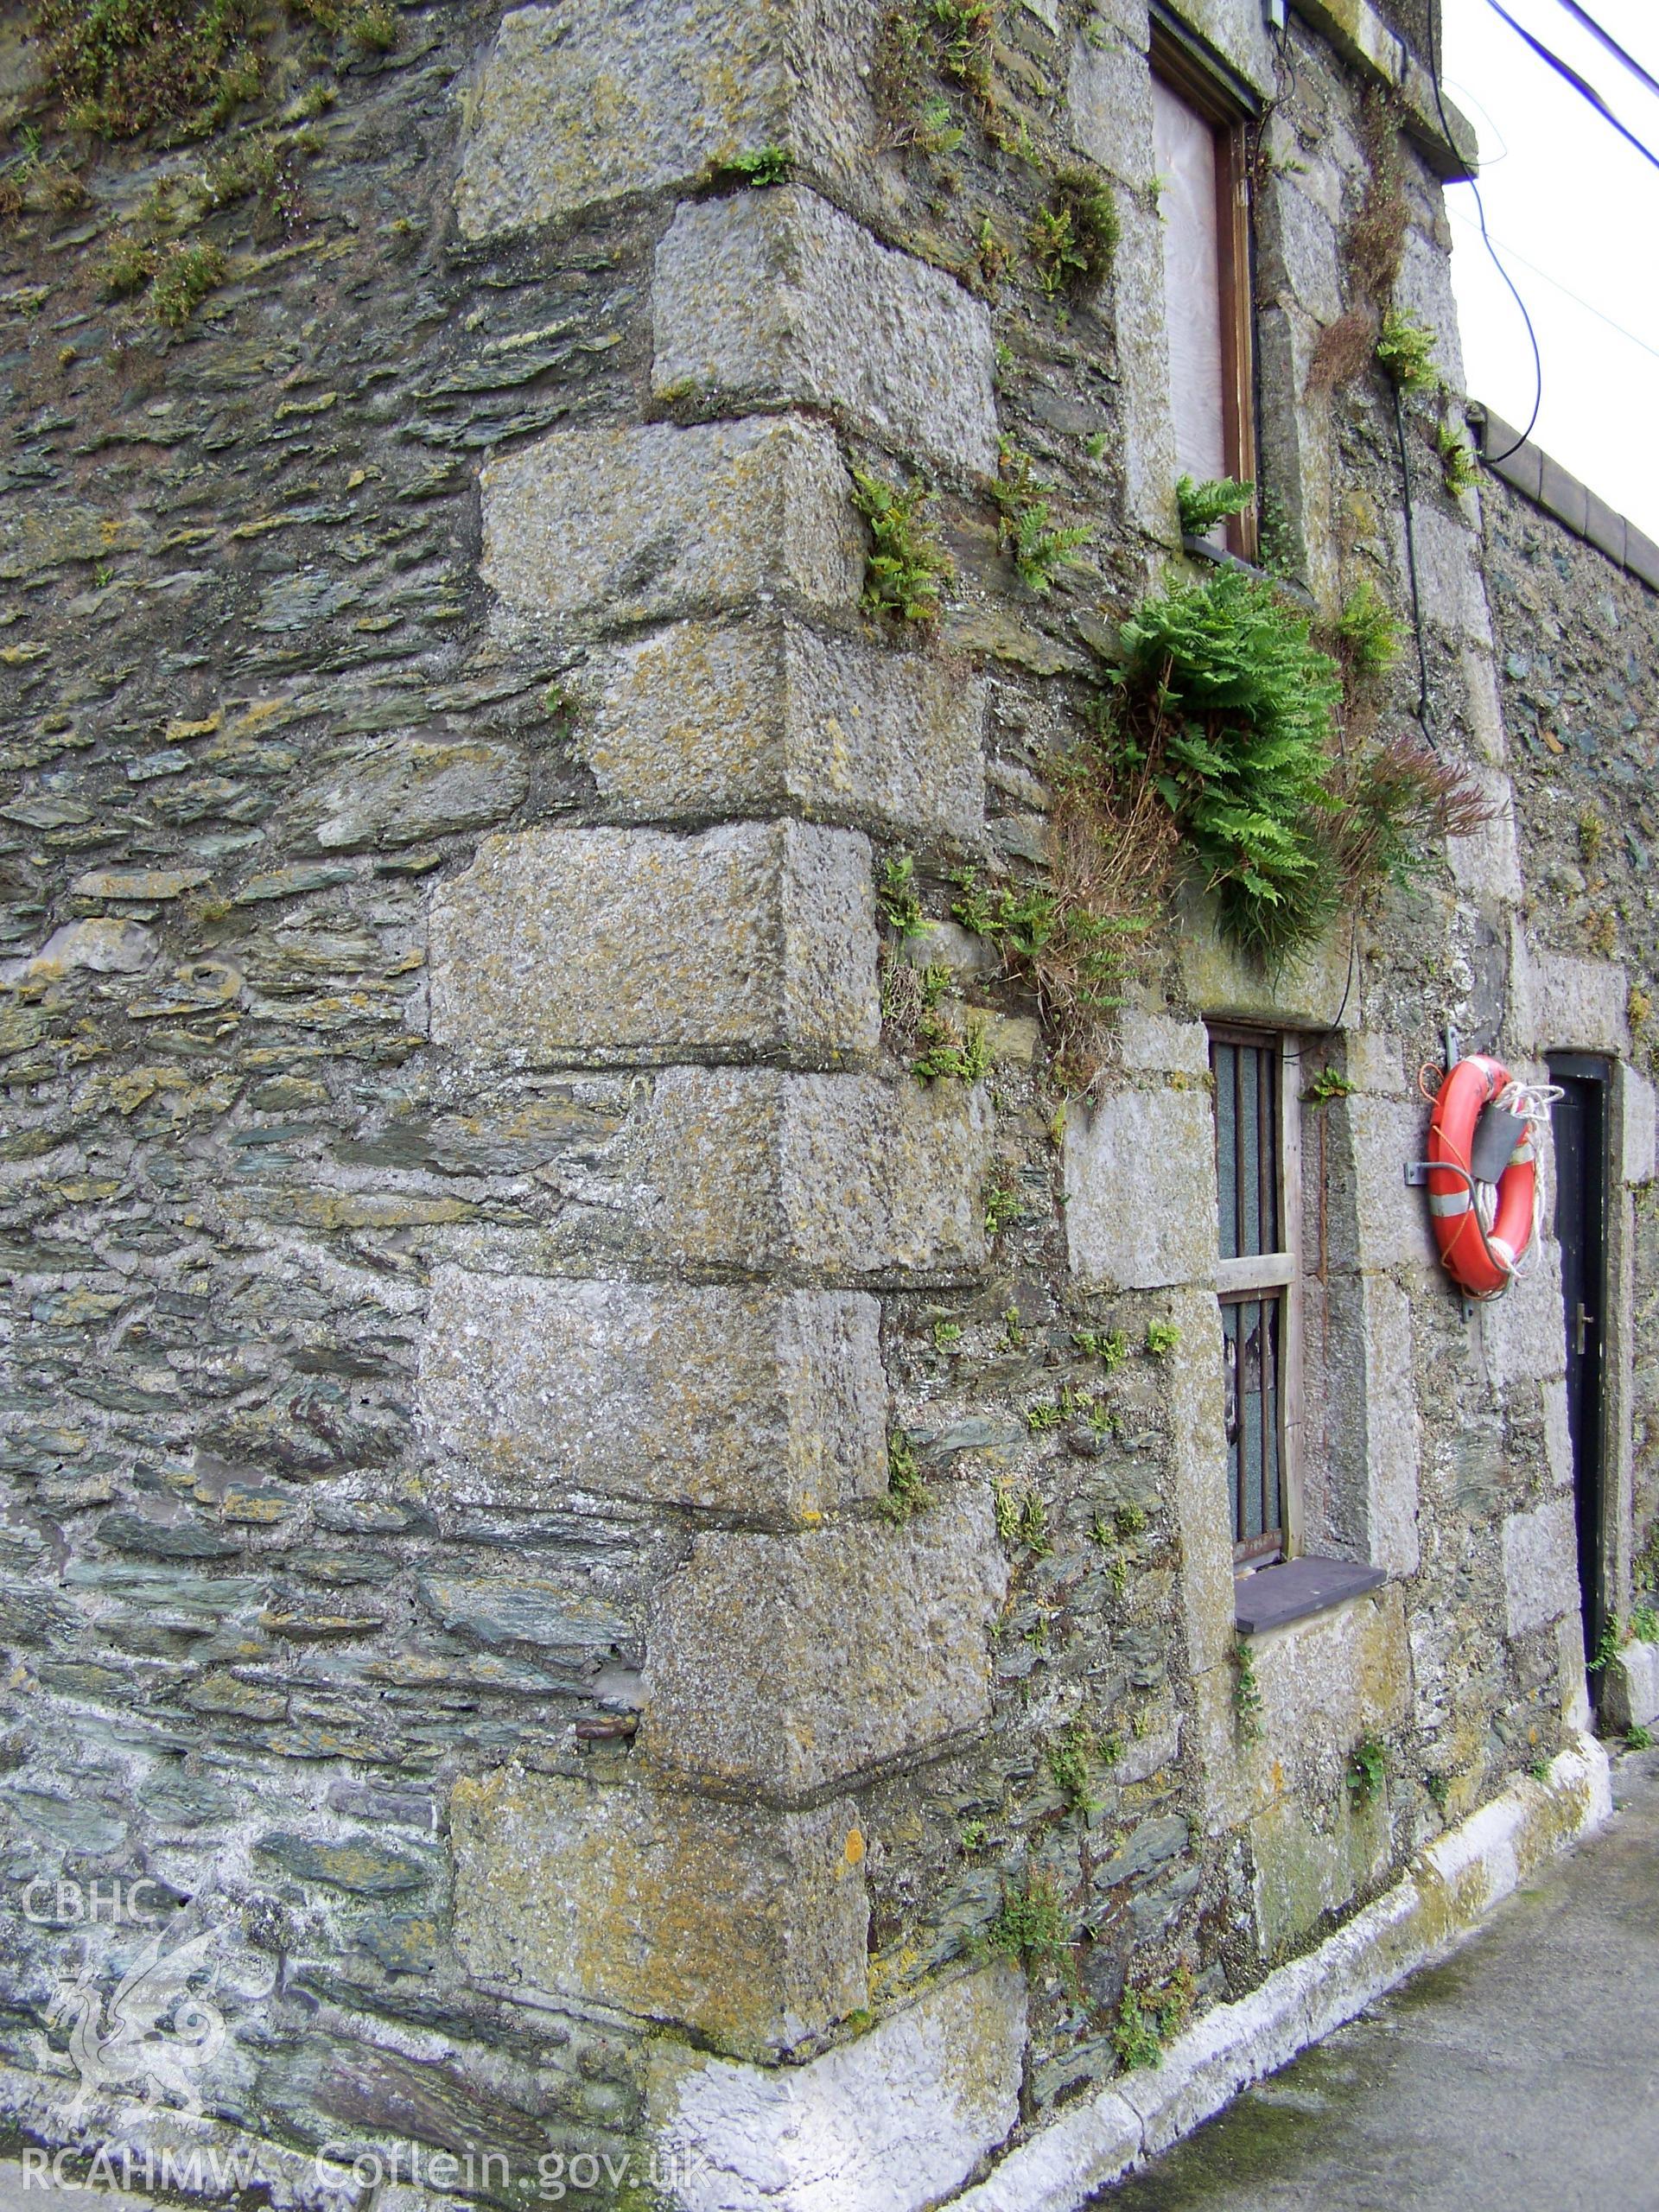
point(1276, 1595)
point(1201, 549)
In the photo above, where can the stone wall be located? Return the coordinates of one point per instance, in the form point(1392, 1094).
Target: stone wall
point(1575, 592)
point(478, 1259)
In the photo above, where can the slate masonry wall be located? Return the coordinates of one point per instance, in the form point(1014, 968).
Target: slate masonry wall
point(482, 1272)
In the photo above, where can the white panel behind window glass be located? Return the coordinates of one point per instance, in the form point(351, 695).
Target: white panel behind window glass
point(1184, 148)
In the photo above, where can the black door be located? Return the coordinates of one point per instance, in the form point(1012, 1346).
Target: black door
point(1579, 1121)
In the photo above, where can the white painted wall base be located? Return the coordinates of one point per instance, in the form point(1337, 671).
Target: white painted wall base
point(1449, 1889)
point(896, 2121)
point(1630, 1688)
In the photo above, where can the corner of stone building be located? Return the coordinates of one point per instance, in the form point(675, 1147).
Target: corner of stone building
point(580, 1263)
point(900, 2115)
point(708, 1886)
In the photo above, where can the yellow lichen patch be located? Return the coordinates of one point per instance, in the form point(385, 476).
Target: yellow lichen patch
point(137, 883)
point(258, 1508)
point(890, 1972)
point(223, 1693)
point(726, 1917)
point(77, 1308)
point(132, 1088)
point(254, 716)
point(363, 1208)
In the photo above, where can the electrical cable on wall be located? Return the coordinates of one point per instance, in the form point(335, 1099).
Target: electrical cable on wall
point(1411, 568)
point(1486, 240)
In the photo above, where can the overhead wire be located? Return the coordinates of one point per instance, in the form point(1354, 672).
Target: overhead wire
point(1581, 86)
point(1532, 339)
point(1565, 291)
point(1583, 17)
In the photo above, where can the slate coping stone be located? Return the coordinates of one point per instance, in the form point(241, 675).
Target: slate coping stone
point(1275, 1595)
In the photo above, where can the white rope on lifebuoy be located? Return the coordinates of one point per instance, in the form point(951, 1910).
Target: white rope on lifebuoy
point(1530, 1103)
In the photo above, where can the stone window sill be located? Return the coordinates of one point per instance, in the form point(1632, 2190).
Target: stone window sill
point(1204, 549)
point(1275, 1596)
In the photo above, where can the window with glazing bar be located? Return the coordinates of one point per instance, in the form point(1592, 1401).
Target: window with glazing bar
point(1256, 1176)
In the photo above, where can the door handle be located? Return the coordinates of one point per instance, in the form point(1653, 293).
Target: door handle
point(1581, 1321)
point(1230, 1370)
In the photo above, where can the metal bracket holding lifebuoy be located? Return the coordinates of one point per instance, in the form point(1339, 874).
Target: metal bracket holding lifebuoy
point(1417, 1177)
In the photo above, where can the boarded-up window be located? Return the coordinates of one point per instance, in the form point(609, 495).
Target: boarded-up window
point(1199, 145)
point(1184, 146)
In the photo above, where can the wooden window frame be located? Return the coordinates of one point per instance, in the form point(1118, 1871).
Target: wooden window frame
point(1188, 75)
point(1264, 1274)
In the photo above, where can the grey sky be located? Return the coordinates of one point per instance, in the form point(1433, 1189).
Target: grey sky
point(1578, 211)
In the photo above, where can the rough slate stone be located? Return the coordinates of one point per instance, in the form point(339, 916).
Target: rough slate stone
point(1371, 1497)
point(523, 1609)
point(1374, 1218)
point(1140, 1189)
point(761, 716)
point(1276, 1594)
point(843, 1176)
point(105, 948)
point(898, 2116)
point(407, 789)
point(1635, 1137)
point(1565, 1003)
point(1523, 1334)
point(357, 1863)
point(1540, 1566)
point(1109, 103)
point(1630, 1688)
point(831, 1178)
point(589, 102)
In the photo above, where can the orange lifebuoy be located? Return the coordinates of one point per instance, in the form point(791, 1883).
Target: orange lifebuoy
point(1481, 1259)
